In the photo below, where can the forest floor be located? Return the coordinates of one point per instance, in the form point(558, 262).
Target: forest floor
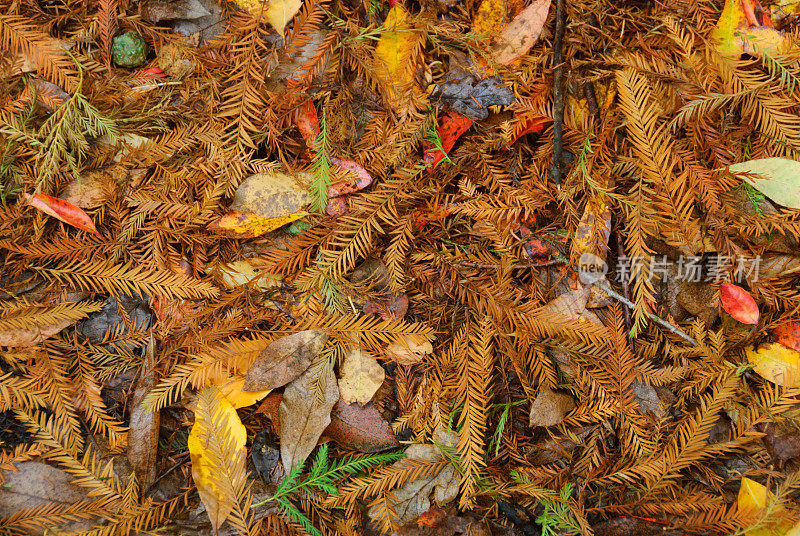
point(434, 268)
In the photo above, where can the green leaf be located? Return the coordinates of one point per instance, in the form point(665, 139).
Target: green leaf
point(777, 178)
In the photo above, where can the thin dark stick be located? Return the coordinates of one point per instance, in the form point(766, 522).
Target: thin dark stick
point(558, 91)
point(553, 262)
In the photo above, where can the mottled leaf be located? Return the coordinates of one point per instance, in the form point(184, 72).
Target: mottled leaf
point(360, 428)
point(361, 376)
point(777, 178)
point(284, 360)
point(272, 195)
point(776, 363)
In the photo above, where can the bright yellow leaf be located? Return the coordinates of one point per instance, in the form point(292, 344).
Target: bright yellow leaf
point(218, 454)
point(248, 225)
point(394, 65)
point(776, 363)
point(277, 12)
point(752, 495)
point(232, 390)
point(735, 33)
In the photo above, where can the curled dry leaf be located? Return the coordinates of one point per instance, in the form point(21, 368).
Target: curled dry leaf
point(409, 349)
point(284, 360)
point(63, 210)
point(218, 454)
point(739, 303)
point(776, 363)
point(361, 376)
point(302, 419)
point(360, 428)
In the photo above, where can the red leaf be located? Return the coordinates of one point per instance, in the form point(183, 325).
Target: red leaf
point(363, 178)
point(63, 210)
point(788, 335)
point(535, 124)
point(739, 303)
point(307, 122)
point(432, 517)
point(360, 428)
point(452, 127)
point(152, 72)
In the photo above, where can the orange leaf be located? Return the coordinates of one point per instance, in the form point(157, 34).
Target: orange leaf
point(788, 335)
point(307, 121)
point(519, 35)
point(452, 127)
point(63, 210)
point(739, 303)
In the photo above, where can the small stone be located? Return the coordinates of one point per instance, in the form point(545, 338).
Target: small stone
point(129, 50)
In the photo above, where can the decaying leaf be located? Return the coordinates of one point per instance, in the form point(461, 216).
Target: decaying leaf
point(284, 360)
point(144, 424)
point(453, 125)
point(218, 454)
point(744, 26)
point(248, 225)
point(272, 195)
point(777, 178)
point(776, 363)
point(27, 326)
point(788, 335)
point(519, 35)
point(550, 407)
point(360, 377)
point(64, 211)
point(414, 497)
point(738, 303)
point(360, 428)
point(243, 272)
point(302, 419)
point(393, 57)
point(411, 350)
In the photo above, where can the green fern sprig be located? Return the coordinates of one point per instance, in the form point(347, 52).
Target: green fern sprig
point(322, 477)
point(321, 168)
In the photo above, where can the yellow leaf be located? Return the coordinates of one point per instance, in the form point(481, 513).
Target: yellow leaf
point(394, 67)
point(736, 34)
point(492, 15)
point(217, 451)
point(232, 390)
point(776, 363)
point(248, 225)
point(361, 376)
point(752, 495)
point(277, 12)
point(238, 273)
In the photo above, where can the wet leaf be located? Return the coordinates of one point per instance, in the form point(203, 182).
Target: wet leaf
point(452, 126)
point(277, 12)
point(272, 195)
point(307, 121)
point(284, 360)
point(218, 454)
point(302, 419)
point(248, 225)
point(738, 303)
point(744, 26)
point(360, 428)
point(362, 178)
point(34, 328)
point(776, 363)
point(788, 335)
point(144, 424)
point(233, 390)
point(361, 376)
point(777, 178)
point(62, 210)
point(519, 35)
point(393, 59)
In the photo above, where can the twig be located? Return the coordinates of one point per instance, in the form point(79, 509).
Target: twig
point(558, 91)
point(651, 316)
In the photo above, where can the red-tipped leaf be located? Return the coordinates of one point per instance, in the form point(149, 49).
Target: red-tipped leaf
point(64, 211)
point(739, 303)
point(788, 335)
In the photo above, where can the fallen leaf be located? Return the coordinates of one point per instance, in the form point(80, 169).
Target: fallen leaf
point(144, 424)
point(432, 517)
point(788, 335)
point(776, 363)
point(593, 232)
point(266, 456)
point(62, 210)
point(782, 439)
point(218, 454)
point(550, 407)
point(519, 35)
point(529, 125)
point(248, 225)
point(394, 64)
point(738, 303)
point(413, 498)
point(277, 12)
point(362, 176)
point(569, 305)
point(452, 126)
point(776, 178)
point(89, 191)
point(302, 419)
point(284, 360)
point(158, 10)
point(492, 16)
point(233, 390)
point(239, 273)
point(272, 195)
point(34, 485)
point(290, 68)
point(307, 121)
point(360, 428)
point(361, 376)
point(409, 350)
point(744, 27)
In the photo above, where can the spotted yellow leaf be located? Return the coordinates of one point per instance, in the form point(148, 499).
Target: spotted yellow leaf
point(218, 454)
point(776, 363)
point(394, 62)
point(277, 12)
point(248, 225)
